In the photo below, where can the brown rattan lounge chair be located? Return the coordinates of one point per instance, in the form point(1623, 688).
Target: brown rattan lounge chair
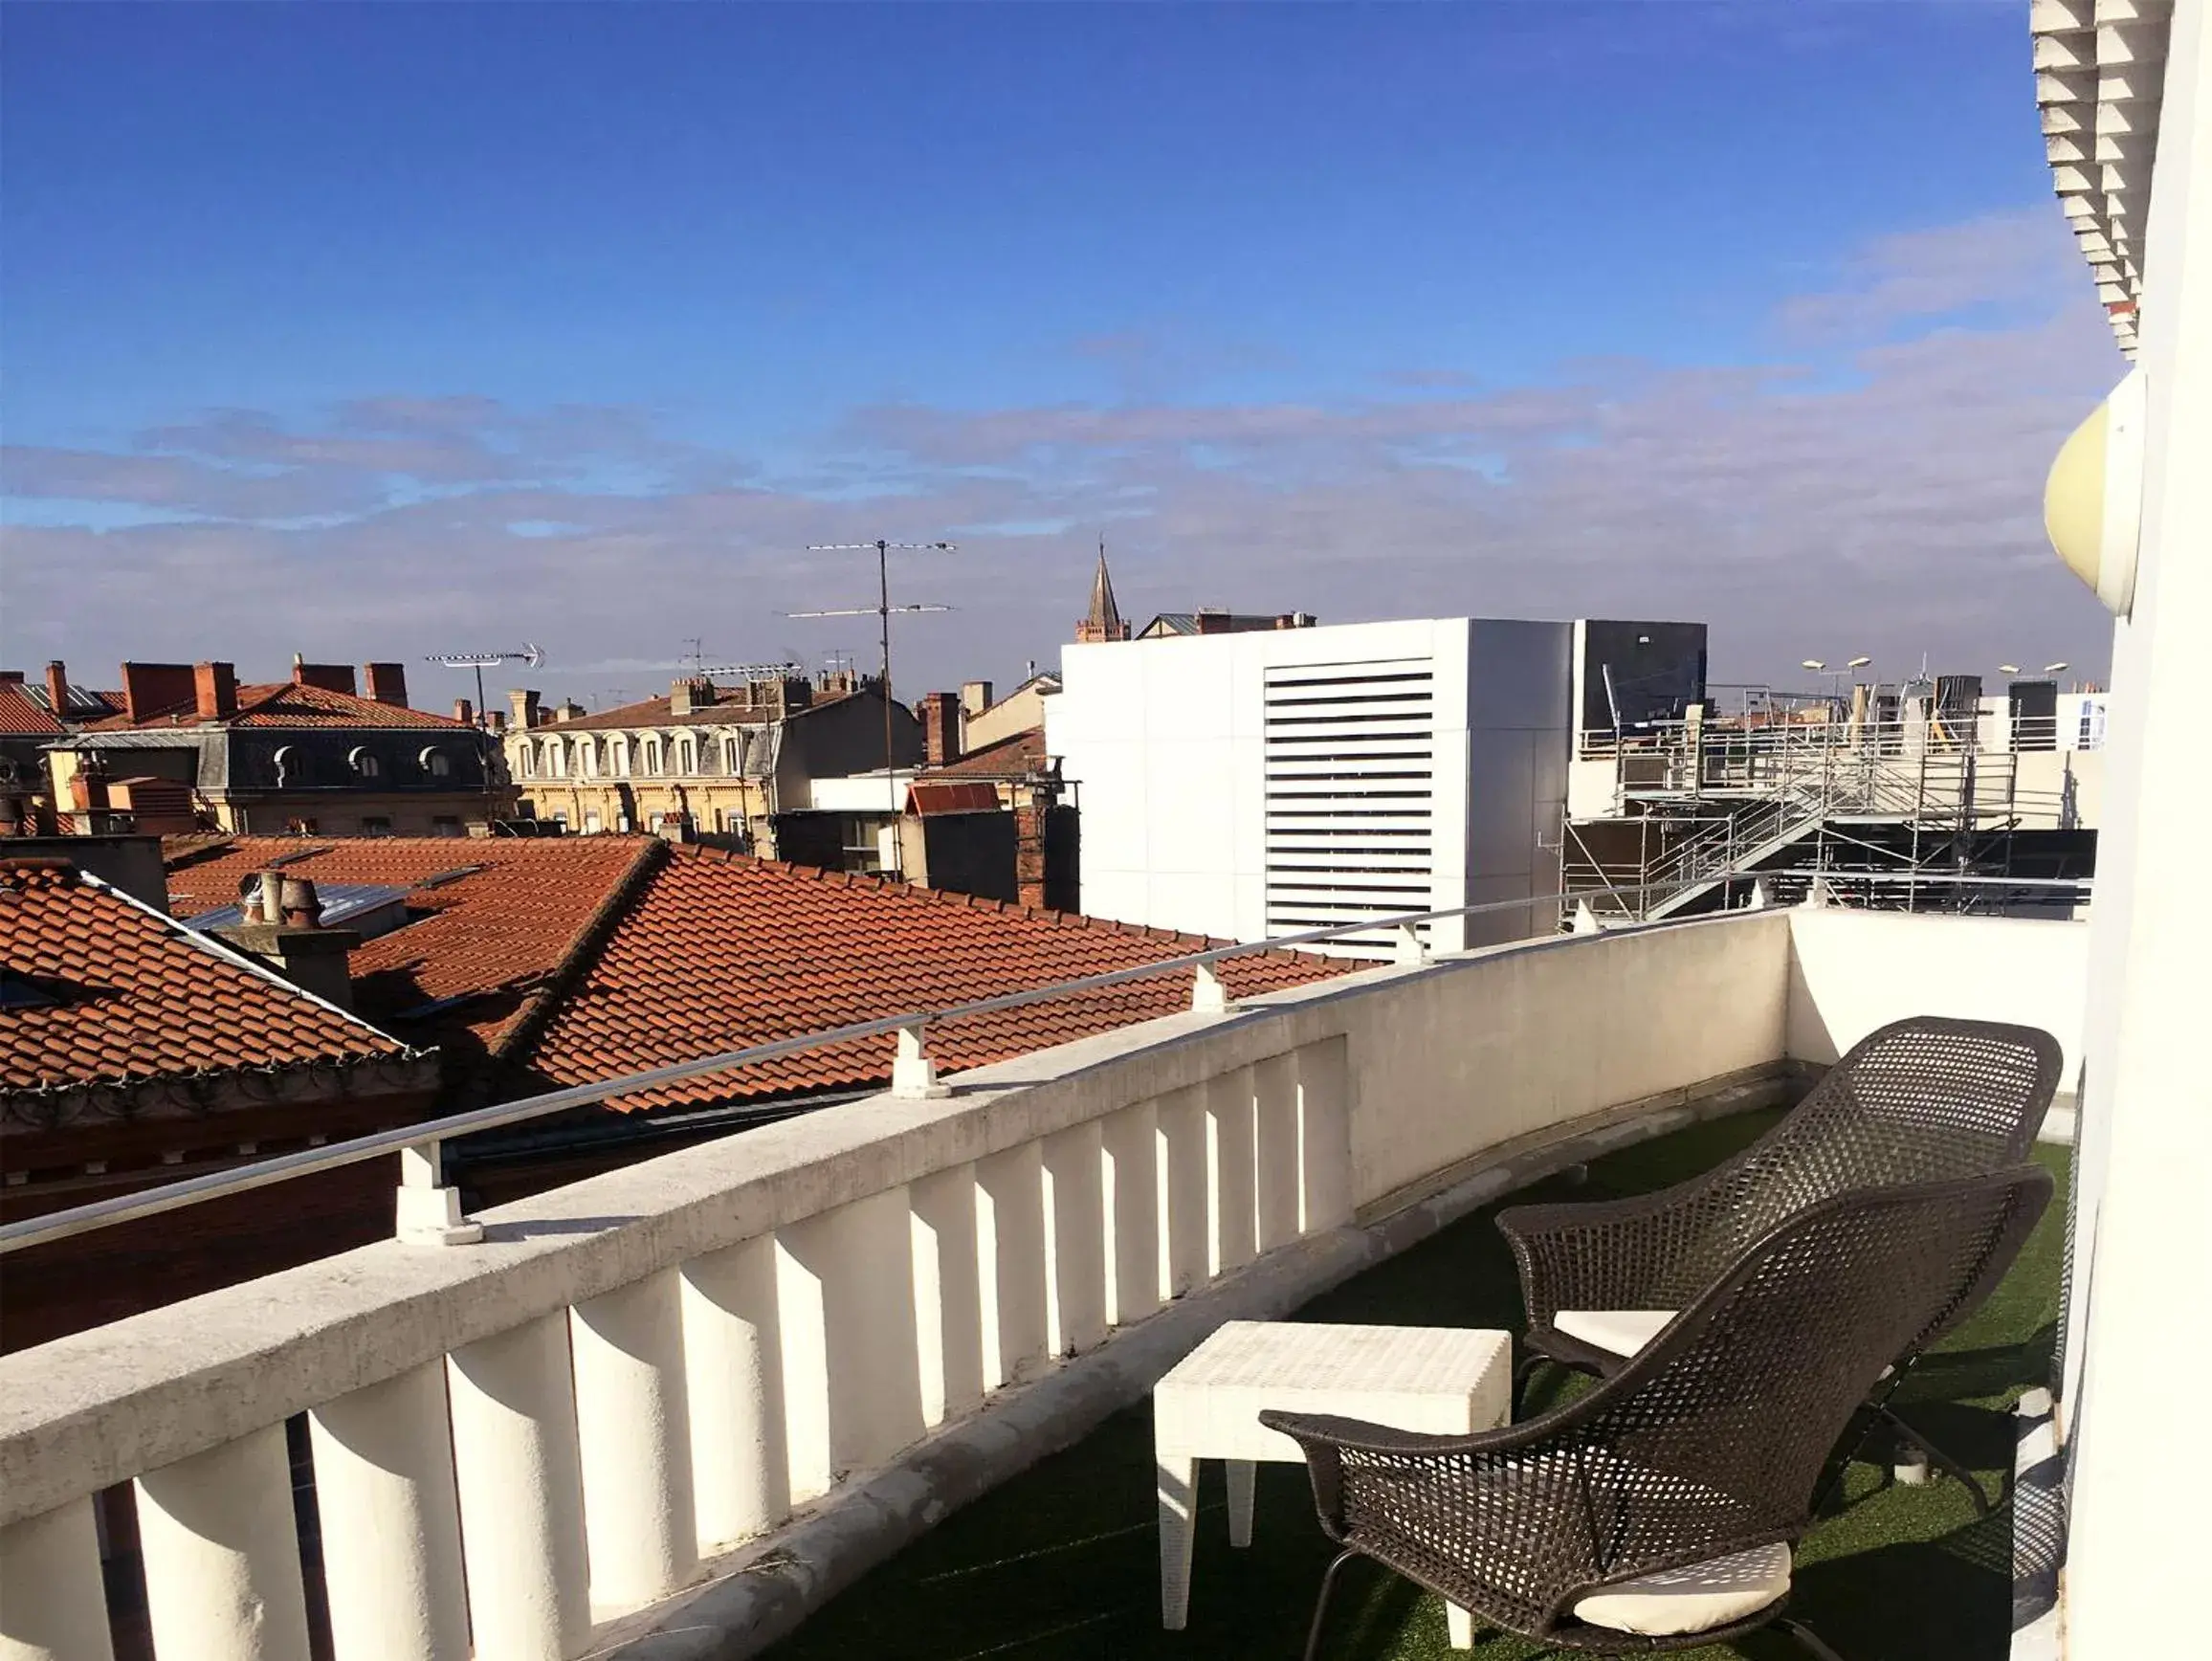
point(1656, 1511)
point(1917, 1099)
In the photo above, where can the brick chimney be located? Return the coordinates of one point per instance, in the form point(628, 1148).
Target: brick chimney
point(215, 688)
point(386, 683)
point(464, 712)
point(940, 714)
point(524, 703)
point(329, 677)
point(151, 688)
point(57, 689)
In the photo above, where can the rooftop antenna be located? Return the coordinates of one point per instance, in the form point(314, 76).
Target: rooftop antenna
point(529, 657)
point(881, 610)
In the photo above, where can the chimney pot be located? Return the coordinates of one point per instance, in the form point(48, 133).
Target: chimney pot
point(464, 712)
point(215, 690)
point(303, 906)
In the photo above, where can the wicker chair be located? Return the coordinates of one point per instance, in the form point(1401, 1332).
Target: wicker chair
point(1655, 1511)
point(1916, 1100)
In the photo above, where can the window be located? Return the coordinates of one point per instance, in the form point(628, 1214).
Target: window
point(529, 754)
point(436, 762)
point(618, 757)
point(445, 825)
point(687, 756)
point(734, 755)
point(591, 820)
point(362, 760)
point(588, 758)
point(375, 825)
point(556, 761)
point(649, 756)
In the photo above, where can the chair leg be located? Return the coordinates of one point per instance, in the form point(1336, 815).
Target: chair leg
point(1321, 1604)
point(1941, 1460)
point(1806, 1638)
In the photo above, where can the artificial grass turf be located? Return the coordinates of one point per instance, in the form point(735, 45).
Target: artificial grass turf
point(1062, 1562)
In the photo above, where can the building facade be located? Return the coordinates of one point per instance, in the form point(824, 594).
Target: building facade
point(193, 748)
point(706, 760)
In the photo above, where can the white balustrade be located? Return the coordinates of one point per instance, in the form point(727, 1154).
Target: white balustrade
point(53, 1604)
point(222, 1553)
point(947, 1293)
point(1075, 1224)
point(518, 1471)
point(1129, 1202)
point(1011, 1263)
point(734, 1391)
point(391, 1521)
point(489, 1503)
point(640, 1531)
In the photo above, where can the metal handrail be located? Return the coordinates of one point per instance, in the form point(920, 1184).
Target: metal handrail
point(428, 1134)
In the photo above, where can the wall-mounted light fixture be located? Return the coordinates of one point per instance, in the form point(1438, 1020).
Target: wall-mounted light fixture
point(2093, 502)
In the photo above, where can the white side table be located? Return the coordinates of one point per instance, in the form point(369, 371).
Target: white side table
point(1443, 1379)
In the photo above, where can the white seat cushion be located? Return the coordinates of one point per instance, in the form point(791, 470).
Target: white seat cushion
point(1620, 1332)
point(1693, 1599)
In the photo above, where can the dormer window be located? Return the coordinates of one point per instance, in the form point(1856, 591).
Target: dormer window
point(364, 763)
point(436, 762)
point(687, 756)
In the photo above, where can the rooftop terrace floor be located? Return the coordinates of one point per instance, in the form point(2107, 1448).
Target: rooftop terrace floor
point(1062, 1563)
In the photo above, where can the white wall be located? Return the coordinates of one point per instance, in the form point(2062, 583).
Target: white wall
point(1852, 971)
point(1164, 740)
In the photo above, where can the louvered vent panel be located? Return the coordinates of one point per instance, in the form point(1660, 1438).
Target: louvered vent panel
point(1350, 756)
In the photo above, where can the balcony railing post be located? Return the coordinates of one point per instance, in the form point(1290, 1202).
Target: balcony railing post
point(517, 1467)
point(1409, 950)
point(913, 1073)
point(222, 1553)
point(640, 1527)
point(1276, 1150)
point(391, 1521)
point(1075, 1239)
point(948, 1295)
point(53, 1604)
point(1231, 1202)
point(1209, 996)
point(734, 1392)
point(1011, 1263)
point(1180, 1164)
point(1129, 1161)
point(429, 1211)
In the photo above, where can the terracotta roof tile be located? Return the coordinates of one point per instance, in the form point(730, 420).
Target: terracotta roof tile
point(491, 939)
point(653, 712)
point(719, 951)
point(104, 990)
point(20, 716)
point(286, 704)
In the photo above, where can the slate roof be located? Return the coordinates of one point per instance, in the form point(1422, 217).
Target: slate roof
point(101, 990)
point(716, 951)
point(287, 703)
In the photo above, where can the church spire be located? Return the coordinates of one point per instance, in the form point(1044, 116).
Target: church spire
point(1104, 622)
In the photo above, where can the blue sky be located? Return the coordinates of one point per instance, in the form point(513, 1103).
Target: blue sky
point(464, 322)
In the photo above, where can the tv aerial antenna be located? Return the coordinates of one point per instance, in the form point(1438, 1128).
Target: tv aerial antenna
point(530, 656)
point(882, 611)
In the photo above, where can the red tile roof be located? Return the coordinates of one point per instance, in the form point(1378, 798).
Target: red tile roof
point(658, 712)
point(716, 951)
point(287, 703)
point(494, 939)
point(20, 716)
point(1016, 756)
point(102, 990)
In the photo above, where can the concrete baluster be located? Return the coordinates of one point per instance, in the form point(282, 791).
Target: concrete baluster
point(947, 1295)
point(1324, 1136)
point(53, 1604)
point(1129, 1197)
point(1180, 1161)
point(1075, 1240)
point(1275, 1149)
point(391, 1521)
point(1231, 1228)
point(734, 1394)
point(222, 1553)
point(1011, 1263)
point(518, 1471)
point(640, 1531)
point(851, 1364)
